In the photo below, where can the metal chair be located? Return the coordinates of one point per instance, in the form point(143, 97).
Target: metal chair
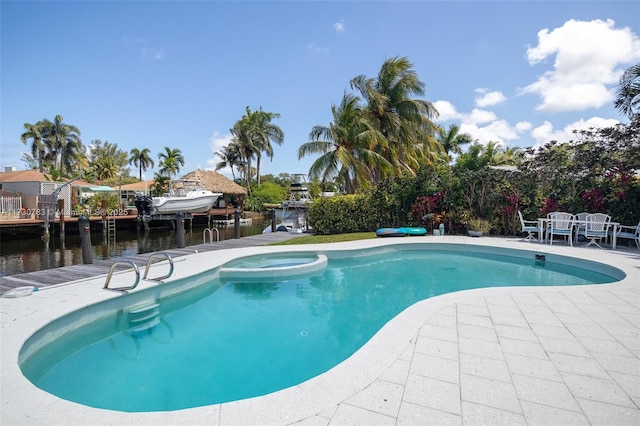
point(596, 228)
point(580, 218)
point(531, 227)
point(629, 232)
point(561, 223)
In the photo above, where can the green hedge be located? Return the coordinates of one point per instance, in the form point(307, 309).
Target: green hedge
point(343, 214)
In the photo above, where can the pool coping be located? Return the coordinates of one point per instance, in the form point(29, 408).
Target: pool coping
point(313, 401)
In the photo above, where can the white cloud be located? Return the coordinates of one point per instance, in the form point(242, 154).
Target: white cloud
point(523, 126)
point(589, 58)
point(446, 110)
point(158, 54)
point(339, 26)
point(545, 132)
point(487, 98)
point(478, 116)
point(496, 131)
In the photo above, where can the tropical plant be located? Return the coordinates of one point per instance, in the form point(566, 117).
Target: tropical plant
point(38, 151)
point(229, 156)
point(452, 140)
point(252, 135)
point(480, 225)
point(141, 159)
point(628, 92)
point(404, 122)
point(345, 147)
point(64, 142)
point(170, 161)
point(160, 184)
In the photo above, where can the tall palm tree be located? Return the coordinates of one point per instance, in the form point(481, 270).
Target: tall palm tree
point(405, 122)
point(263, 132)
point(141, 159)
point(253, 134)
point(451, 140)
point(229, 156)
point(64, 141)
point(628, 92)
point(247, 148)
point(170, 161)
point(346, 147)
point(34, 132)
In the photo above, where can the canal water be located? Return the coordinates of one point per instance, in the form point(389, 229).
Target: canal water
point(31, 254)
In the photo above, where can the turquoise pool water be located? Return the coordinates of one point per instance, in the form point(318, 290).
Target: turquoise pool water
point(221, 342)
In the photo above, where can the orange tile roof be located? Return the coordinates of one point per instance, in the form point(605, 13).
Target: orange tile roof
point(25, 176)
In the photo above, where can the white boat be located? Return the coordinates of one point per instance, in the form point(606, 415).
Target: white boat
point(184, 196)
point(299, 197)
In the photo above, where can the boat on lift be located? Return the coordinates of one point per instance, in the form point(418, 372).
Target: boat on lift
point(184, 196)
point(293, 218)
point(299, 197)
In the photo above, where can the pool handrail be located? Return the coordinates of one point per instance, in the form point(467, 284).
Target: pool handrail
point(148, 266)
point(113, 267)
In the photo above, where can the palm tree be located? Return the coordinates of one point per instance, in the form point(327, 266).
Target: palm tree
point(229, 156)
point(346, 147)
point(263, 132)
point(160, 184)
point(404, 122)
point(253, 134)
point(628, 92)
point(241, 138)
point(170, 161)
point(451, 140)
point(141, 159)
point(34, 132)
point(64, 141)
point(510, 156)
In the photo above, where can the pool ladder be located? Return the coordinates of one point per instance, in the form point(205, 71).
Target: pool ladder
point(137, 271)
point(209, 232)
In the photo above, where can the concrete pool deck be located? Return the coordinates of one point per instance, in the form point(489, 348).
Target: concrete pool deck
point(510, 355)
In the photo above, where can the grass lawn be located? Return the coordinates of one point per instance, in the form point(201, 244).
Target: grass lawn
point(322, 239)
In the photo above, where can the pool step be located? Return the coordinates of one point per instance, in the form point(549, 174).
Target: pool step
point(143, 317)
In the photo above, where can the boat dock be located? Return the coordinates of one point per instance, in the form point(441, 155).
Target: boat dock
point(55, 276)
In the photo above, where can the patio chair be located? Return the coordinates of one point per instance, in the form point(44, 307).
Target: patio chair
point(580, 218)
point(629, 232)
point(596, 228)
point(561, 224)
point(530, 226)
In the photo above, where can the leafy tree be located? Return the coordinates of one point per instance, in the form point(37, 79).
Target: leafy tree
point(252, 135)
point(160, 183)
point(452, 140)
point(404, 122)
point(141, 159)
point(345, 147)
point(38, 150)
point(170, 161)
point(628, 92)
point(55, 143)
point(229, 156)
point(106, 160)
point(64, 142)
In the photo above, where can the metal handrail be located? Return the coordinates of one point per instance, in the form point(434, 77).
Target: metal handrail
point(210, 232)
point(161, 253)
point(113, 267)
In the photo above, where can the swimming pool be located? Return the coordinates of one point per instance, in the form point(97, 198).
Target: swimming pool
point(266, 336)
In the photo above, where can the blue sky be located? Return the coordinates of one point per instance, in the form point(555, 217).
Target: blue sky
point(150, 74)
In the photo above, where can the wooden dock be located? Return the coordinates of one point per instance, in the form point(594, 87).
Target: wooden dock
point(64, 274)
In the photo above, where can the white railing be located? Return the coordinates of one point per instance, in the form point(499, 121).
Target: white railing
point(11, 205)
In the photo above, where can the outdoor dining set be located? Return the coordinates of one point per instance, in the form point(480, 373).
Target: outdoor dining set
point(595, 228)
